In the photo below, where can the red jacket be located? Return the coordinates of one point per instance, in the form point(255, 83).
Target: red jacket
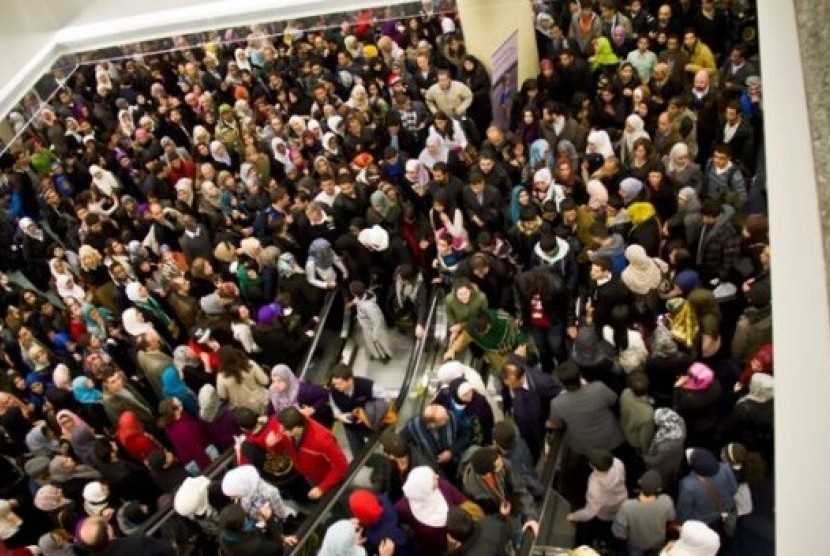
point(318, 457)
point(259, 439)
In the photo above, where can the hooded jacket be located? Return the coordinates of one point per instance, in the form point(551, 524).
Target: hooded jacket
point(563, 262)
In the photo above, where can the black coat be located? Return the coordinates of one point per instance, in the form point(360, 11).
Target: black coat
point(530, 407)
point(490, 538)
point(254, 543)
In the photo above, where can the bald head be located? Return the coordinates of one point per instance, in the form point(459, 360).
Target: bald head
point(436, 415)
point(701, 81)
point(94, 534)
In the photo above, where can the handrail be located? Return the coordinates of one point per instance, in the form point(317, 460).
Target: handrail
point(333, 496)
point(552, 464)
point(315, 340)
point(221, 464)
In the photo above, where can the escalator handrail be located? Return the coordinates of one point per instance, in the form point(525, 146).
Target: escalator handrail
point(550, 468)
point(333, 496)
point(221, 464)
point(318, 331)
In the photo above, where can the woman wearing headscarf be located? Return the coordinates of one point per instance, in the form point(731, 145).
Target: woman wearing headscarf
point(131, 435)
point(345, 537)
point(223, 159)
point(696, 398)
point(91, 402)
point(424, 508)
point(287, 390)
point(78, 433)
point(135, 323)
point(96, 277)
point(190, 443)
point(473, 74)
point(71, 476)
point(470, 408)
point(172, 386)
point(634, 129)
point(36, 253)
point(322, 265)
point(104, 181)
point(153, 312)
point(15, 532)
point(599, 143)
point(434, 151)
point(59, 394)
point(42, 440)
point(65, 282)
point(384, 208)
point(217, 418)
point(604, 62)
point(753, 419)
point(665, 452)
point(683, 171)
point(244, 485)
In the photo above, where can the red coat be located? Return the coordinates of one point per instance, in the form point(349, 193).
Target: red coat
point(318, 457)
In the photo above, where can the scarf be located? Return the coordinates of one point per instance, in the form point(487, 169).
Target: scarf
point(669, 427)
point(84, 393)
point(340, 540)
point(184, 357)
point(426, 501)
point(192, 498)
point(25, 224)
point(322, 253)
point(133, 323)
point(287, 398)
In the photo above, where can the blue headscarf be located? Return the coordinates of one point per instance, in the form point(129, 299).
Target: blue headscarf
point(541, 153)
point(84, 393)
point(172, 386)
point(515, 207)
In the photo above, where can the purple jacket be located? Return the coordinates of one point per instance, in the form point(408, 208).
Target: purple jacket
point(189, 441)
point(431, 540)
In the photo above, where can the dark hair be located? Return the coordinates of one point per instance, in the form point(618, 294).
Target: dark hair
point(548, 242)
point(484, 460)
point(342, 371)
point(357, 289)
point(245, 419)
point(476, 177)
point(504, 435)
point(394, 444)
point(710, 207)
point(480, 322)
point(460, 526)
point(479, 261)
point(233, 362)
point(569, 375)
point(232, 518)
point(167, 412)
point(638, 382)
point(291, 418)
point(600, 459)
point(605, 263)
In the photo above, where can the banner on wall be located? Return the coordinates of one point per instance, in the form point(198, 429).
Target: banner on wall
point(505, 64)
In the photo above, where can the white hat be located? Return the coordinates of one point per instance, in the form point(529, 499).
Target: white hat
point(643, 273)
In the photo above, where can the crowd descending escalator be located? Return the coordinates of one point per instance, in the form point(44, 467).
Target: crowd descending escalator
point(404, 379)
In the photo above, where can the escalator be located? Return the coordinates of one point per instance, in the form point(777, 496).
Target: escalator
point(409, 383)
point(311, 360)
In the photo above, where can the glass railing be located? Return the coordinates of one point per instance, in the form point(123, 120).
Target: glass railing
point(218, 467)
point(409, 401)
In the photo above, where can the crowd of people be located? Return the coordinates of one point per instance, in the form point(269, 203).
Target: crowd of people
point(182, 217)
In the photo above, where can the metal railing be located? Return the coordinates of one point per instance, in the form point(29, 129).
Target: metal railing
point(306, 530)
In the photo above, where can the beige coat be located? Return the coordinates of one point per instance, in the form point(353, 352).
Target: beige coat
point(251, 393)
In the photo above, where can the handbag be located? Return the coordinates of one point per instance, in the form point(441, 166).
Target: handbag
point(729, 519)
point(472, 509)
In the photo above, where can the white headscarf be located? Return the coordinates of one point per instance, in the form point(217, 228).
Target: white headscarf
point(192, 498)
point(679, 149)
point(340, 540)
point(425, 499)
point(106, 182)
point(214, 152)
point(601, 143)
point(10, 522)
point(241, 482)
point(639, 131)
point(26, 223)
point(133, 323)
point(67, 287)
point(133, 291)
